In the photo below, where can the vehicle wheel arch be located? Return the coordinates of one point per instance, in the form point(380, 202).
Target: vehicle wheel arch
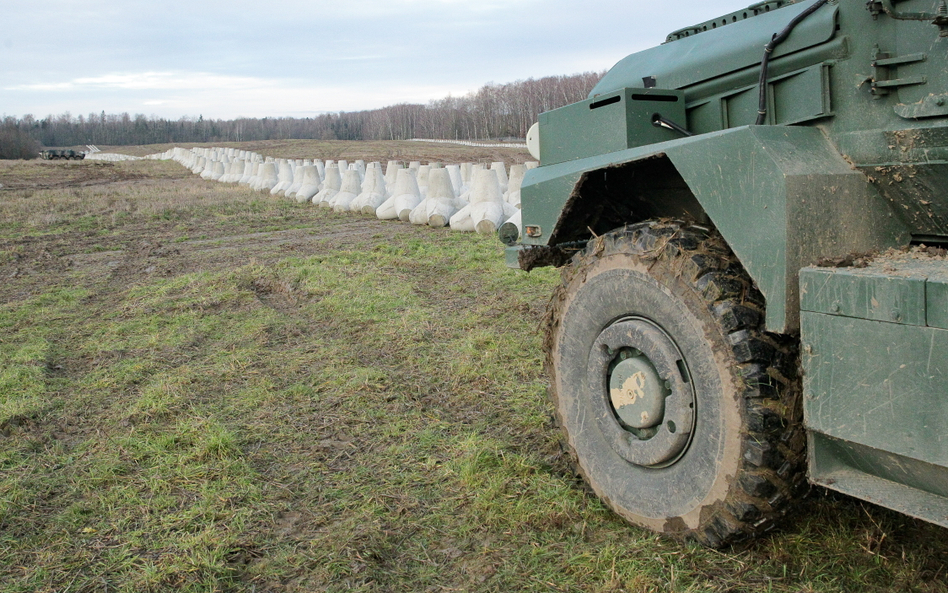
point(626, 193)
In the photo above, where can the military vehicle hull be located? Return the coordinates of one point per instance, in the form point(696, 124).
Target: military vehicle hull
point(837, 148)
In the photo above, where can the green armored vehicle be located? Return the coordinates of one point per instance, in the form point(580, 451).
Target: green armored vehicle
point(752, 219)
point(52, 154)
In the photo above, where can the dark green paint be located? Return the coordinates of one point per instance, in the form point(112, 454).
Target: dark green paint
point(936, 302)
point(726, 49)
point(900, 483)
point(854, 158)
point(615, 121)
point(875, 360)
point(864, 294)
point(782, 197)
point(878, 384)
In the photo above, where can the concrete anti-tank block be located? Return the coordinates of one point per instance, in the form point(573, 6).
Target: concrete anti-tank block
point(330, 187)
point(351, 186)
point(404, 198)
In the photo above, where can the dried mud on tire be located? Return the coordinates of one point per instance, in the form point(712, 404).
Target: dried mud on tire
point(742, 466)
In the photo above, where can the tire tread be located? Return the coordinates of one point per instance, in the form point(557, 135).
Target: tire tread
point(771, 476)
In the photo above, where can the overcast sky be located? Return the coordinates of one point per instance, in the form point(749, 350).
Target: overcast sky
point(229, 58)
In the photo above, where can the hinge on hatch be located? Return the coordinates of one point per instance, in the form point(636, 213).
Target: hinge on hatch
point(884, 64)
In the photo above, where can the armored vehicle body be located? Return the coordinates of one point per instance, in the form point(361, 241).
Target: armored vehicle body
point(751, 219)
point(52, 154)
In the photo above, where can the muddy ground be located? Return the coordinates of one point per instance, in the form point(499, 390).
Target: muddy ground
point(124, 253)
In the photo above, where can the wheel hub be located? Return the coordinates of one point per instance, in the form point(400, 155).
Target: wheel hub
point(636, 391)
point(643, 394)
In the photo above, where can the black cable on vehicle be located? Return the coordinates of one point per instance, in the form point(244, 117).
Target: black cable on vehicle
point(662, 122)
point(769, 49)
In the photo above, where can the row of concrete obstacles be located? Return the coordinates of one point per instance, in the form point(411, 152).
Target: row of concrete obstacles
point(465, 197)
point(109, 156)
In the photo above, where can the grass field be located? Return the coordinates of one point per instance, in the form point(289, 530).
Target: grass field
point(204, 388)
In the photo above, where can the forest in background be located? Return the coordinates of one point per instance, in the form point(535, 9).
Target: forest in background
point(495, 111)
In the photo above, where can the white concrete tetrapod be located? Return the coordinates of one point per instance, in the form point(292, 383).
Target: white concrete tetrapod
point(461, 220)
point(267, 176)
point(230, 172)
point(512, 196)
point(257, 181)
point(378, 194)
point(293, 165)
point(455, 172)
point(391, 173)
point(237, 170)
point(421, 175)
point(531, 165)
point(209, 167)
point(441, 203)
point(501, 170)
point(284, 177)
point(368, 185)
point(309, 183)
point(281, 172)
point(330, 187)
point(404, 198)
point(487, 210)
point(226, 174)
point(418, 214)
point(297, 182)
point(254, 182)
point(483, 187)
point(469, 187)
point(445, 199)
point(512, 229)
point(217, 171)
point(247, 173)
point(488, 216)
point(351, 186)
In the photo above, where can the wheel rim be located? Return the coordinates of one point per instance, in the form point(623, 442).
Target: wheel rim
point(642, 393)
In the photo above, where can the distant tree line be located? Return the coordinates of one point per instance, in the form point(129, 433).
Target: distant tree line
point(16, 143)
point(494, 111)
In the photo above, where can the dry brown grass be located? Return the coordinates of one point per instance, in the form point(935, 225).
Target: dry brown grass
point(207, 389)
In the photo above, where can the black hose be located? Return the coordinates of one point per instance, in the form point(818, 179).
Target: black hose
point(662, 122)
point(769, 49)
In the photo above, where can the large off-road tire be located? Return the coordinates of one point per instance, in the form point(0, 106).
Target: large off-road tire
point(678, 410)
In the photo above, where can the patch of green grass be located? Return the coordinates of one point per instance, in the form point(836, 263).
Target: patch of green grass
point(361, 412)
point(23, 381)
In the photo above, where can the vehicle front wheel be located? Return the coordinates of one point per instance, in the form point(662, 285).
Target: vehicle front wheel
point(678, 410)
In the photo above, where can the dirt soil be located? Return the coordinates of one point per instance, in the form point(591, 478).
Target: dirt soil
point(128, 253)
